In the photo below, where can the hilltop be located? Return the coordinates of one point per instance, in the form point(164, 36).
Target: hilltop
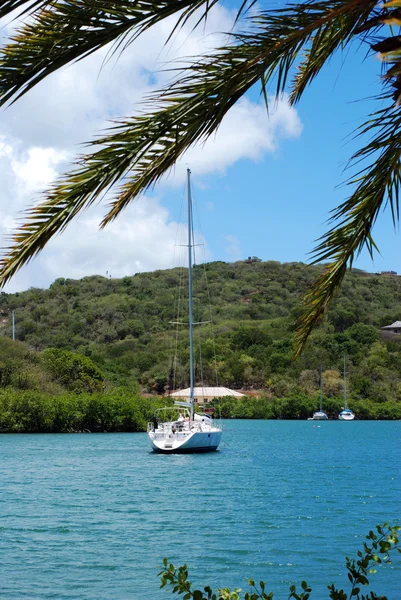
point(123, 327)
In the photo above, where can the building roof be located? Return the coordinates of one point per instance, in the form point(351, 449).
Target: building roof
point(395, 325)
point(209, 392)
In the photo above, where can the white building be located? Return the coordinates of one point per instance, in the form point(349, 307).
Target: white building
point(204, 395)
point(393, 328)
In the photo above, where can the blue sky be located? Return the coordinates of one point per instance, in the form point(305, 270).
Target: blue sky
point(262, 187)
point(278, 206)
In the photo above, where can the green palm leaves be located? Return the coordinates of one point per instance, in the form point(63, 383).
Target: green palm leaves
point(67, 30)
point(285, 47)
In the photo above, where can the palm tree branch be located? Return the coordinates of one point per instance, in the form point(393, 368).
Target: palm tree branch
point(8, 7)
point(145, 146)
point(68, 30)
point(377, 184)
point(293, 27)
point(143, 149)
point(336, 33)
point(205, 95)
point(63, 31)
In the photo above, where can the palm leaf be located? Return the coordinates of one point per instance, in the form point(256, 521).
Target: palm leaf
point(377, 185)
point(63, 31)
point(137, 152)
point(144, 148)
point(335, 33)
point(7, 7)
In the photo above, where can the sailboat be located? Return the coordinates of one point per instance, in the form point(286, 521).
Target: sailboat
point(346, 414)
point(189, 432)
point(319, 415)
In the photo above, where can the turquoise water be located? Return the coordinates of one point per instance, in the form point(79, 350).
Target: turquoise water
point(92, 516)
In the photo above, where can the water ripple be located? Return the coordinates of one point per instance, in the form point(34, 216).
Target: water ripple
point(91, 517)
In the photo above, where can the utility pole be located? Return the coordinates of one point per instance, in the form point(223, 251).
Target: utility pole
point(13, 323)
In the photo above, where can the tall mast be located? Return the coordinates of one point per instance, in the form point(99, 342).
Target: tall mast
point(320, 388)
point(345, 387)
point(191, 341)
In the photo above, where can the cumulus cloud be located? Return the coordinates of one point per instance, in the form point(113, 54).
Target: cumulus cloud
point(145, 240)
point(40, 134)
point(36, 167)
point(246, 133)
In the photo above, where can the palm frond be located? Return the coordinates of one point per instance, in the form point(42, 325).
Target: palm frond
point(7, 7)
point(137, 152)
point(144, 148)
point(335, 33)
point(63, 31)
point(377, 185)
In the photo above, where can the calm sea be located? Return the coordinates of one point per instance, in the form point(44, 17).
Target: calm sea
point(92, 516)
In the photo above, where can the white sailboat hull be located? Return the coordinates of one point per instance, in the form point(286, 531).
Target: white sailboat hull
point(185, 441)
point(346, 415)
point(318, 416)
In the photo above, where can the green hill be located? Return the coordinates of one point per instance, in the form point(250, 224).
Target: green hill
point(123, 327)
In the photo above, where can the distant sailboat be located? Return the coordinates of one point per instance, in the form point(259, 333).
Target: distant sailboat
point(346, 414)
point(189, 432)
point(319, 415)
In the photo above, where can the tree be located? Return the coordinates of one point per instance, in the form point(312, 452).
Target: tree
point(75, 371)
point(290, 43)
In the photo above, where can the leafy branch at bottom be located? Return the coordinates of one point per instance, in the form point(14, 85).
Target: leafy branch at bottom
point(376, 550)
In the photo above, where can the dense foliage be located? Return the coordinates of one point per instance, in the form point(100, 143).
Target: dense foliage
point(59, 391)
point(376, 550)
point(301, 406)
point(29, 411)
point(76, 372)
point(99, 332)
point(97, 335)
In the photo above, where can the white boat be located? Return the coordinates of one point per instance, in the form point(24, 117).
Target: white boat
point(319, 415)
point(188, 432)
point(346, 414)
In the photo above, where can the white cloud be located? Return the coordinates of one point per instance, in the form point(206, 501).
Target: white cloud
point(144, 240)
point(140, 241)
point(35, 169)
point(246, 132)
point(40, 133)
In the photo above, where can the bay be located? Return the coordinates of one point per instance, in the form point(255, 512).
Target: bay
point(91, 516)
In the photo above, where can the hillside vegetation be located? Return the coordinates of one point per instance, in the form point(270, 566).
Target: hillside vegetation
point(61, 391)
point(121, 330)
